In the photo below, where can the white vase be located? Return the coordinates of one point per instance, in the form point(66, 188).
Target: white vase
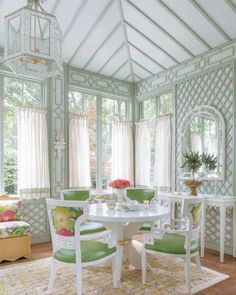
point(120, 194)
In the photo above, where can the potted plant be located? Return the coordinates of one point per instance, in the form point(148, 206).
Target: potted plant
point(209, 161)
point(192, 162)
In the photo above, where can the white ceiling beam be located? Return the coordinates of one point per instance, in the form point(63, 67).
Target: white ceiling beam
point(91, 30)
point(126, 37)
point(231, 5)
point(126, 78)
point(168, 9)
point(148, 56)
point(137, 76)
point(210, 20)
point(55, 5)
point(153, 43)
point(161, 29)
point(142, 67)
point(113, 31)
point(120, 67)
point(110, 58)
point(75, 17)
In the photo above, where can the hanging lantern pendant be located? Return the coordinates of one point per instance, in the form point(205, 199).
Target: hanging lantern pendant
point(33, 42)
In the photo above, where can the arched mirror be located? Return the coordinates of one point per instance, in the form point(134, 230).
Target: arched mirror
point(203, 131)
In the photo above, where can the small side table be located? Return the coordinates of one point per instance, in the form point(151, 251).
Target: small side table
point(223, 203)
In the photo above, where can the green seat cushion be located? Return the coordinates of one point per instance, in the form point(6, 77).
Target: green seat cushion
point(140, 194)
point(76, 195)
point(89, 227)
point(90, 251)
point(172, 244)
point(146, 226)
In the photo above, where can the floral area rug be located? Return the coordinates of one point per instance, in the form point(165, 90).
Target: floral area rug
point(166, 277)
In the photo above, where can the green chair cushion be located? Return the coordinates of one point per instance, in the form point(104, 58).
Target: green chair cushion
point(90, 251)
point(172, 244)
point(89, 227)
point(76, 195)
point(140, 194)
point(146, 226)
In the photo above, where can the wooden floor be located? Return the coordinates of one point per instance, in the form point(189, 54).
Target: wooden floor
point(211, 260)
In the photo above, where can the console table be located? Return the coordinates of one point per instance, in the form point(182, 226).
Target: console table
point(221, 202)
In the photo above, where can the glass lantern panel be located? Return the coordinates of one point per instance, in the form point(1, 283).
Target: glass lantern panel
point(39, 35)
point(14, 35)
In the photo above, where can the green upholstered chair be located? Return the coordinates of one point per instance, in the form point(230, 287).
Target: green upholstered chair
point(70, 247)
point(180, 238)
point(87, 227)
point(140, 194)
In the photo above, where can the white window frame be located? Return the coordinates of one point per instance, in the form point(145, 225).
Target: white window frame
point(99, 99)
point(2, 97)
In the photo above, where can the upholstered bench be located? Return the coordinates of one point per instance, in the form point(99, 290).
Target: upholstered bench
point(15, 239)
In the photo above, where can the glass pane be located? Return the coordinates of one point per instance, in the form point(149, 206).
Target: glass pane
point(39, 34)
point(111, 110)
point(90, 111)
point(85, 104)
point(149, 114)
point(14, 35)
point(75, 102)
point(17, 93)
point(166, 104)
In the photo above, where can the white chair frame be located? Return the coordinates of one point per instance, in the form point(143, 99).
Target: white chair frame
point(188, 232)
point(74, 243)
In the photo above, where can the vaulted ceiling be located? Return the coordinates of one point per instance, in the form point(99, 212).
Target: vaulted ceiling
point(135, 39)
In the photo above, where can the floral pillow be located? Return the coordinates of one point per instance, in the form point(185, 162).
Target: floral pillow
point(11, 210)
point(196, 213)
point(64, 219)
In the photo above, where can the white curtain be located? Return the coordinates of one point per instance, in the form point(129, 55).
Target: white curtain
point(196, 142)
point(162, 166)
point(79, 163)
point(33, 167)
point(122, 151)
point(142, 154)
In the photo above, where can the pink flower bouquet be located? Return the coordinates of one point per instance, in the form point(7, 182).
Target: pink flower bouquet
point(120, 183)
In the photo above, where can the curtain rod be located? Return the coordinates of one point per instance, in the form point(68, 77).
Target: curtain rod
point(162, 116)
point(34, 108)
point(78, 115)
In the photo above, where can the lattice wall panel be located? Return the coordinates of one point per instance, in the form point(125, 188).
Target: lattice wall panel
point(214, 88)
point(35, 213)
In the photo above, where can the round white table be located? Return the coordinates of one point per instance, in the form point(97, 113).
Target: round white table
point(124, 225)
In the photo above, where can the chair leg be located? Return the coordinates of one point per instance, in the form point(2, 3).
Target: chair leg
point(198, 264)
point(144, 267)
point(79, 279)
point(52, 275)
point(115, 271)
point(187, 268)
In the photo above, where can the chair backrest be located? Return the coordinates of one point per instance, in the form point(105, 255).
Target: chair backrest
point(65, 218)
point(10, 208)
point(192, 211)
point(140, 194)
point(75, 194)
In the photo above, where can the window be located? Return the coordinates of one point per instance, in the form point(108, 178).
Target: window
point(100, 112)
point(17, 93)
point(151, 109)
point(111, 110)
point(85, 104)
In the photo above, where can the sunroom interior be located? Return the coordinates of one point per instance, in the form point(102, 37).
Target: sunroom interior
point(117, 150)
